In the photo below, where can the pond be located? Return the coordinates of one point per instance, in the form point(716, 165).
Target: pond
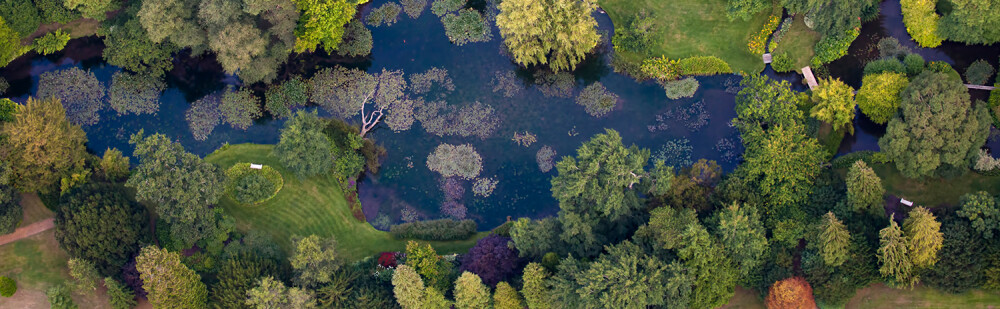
point(682, 130)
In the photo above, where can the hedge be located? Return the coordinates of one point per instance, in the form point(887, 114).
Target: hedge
point(870, 157)
point(264, 184)
point(7, 287)
point(442, 229)
point(664, 69)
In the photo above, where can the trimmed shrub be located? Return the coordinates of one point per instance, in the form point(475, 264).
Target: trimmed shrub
point(135, 93)
point(60, 297)
point(884, 65)
point(979, 72)
point(704, 66)
point(51, 42)
point(249, 186)
point(387, 14)
point(914, 64)
point(597, 100)
point(466, 26)
point(831, 48)
point(684, 88)
point(442, 229)
point(455, 160)
point(782, 62)
point(7, 287)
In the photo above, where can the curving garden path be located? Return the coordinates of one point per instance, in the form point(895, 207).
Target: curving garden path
point(27, 231)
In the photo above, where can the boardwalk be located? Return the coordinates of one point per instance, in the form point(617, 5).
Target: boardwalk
point(810, 79)
point(980, 87)
point(27, 231)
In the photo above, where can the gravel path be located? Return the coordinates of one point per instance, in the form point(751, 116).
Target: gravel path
point(27, 231)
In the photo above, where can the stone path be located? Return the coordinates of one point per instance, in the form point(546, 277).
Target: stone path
point(27, 231)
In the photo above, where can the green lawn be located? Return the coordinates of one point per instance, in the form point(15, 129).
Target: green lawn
point(798, 42)
point(37, 263)
point(311, 206)
point(932, 192)
point(881, 296)
point(686, 28)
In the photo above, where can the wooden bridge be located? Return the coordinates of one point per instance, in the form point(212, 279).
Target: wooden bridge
point(811, 81)
point(980, 87)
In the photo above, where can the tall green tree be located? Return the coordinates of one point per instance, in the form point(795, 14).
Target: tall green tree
point(602, 173)
point(766, 103)
point(42, 146)
point(168, 282)
point(100, 224)
point(506, 297)
point(535, 238)
point(833, 240)
point(864, 189)
point(834, 104)
point(182, 185)
point(436, 272)
point(119, 296)
point(535, 289)
point(742, 234)
point(322, 22)
point(237, 276)
point(408, 287)
point(715, 275)
point(782, 163)
point(938, 128)
point(174, 21)
point(10, 43)
point(983, 210)
point(626, 277)
point(923, 237)
point(11, 211)
point(303, 148)
point(972, 22)
point(559, 33)
point(314, 259)
point(471, 293)
point(894, 255)
point(273, 294)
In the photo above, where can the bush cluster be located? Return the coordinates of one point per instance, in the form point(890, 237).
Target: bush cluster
point(455, 160)
point(758, 43)
point(468, 25)
point(979, 72)
point(636, 34)
point(786, 24)
point(782, 62)
point(441, 229)
point(890, 65)
point(684, 88)
point(51, 42)
point(831, 48)
point(250, 186)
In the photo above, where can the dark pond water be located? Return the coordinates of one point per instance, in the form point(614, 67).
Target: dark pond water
point(414, 46)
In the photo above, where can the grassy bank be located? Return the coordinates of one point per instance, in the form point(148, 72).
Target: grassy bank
point(686, 28)
point(798, 43)
point(882, 296)
point(311, 206)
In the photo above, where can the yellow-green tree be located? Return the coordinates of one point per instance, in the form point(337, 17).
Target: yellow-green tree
point(894, 255)
point(471, 293)
point(42, 146)
point(169, 282)
point(834, 104)
point(879, 95)
point(322, 22)
point(923, 237)
point(864, 189)
point(506, 297)
point(833, 240)
point(407, 287)
point(559, 33)
point(921, 21)
point(536, 292)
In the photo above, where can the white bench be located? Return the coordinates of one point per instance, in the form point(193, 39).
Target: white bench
point(905, 202)
point(256, 166)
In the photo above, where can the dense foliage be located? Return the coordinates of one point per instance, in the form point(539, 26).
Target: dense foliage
point(99, 224)
point(442, 229)
point(303, 148)
point(170, 283)
point(554, 32)
point(51, 42)
point(922, 21)
point(834, 104)
point(11, 212)
point(250, 186)
point(879, 96)
point(42, 146)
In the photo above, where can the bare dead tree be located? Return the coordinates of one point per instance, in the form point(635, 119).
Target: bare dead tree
point(370, 121)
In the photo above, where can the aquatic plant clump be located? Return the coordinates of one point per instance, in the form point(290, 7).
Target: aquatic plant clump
point(240, 108)
point(281, 98)
point(676, 153)
point(414, 8)
point(203, 116)
point(597, 100)
point(340, 91)
point(387, 14)
point(453, 209)
point(684, 88)
point(728, 149)
point(506, 82)
point(135, 93)
point(484, 186)
point(453, 188)
point(79, 91)
point(422, 83)
point(249, 186)
point(400, 117)
point(357, 40)
point(440, 119)
point(441, 7)
point(525, 139)
point(555, 84)
point(694, 118)
point(467, 26)
point(545, 158)
point(455, 160)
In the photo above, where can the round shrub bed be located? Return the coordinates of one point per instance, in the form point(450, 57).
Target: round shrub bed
point(252, 186)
